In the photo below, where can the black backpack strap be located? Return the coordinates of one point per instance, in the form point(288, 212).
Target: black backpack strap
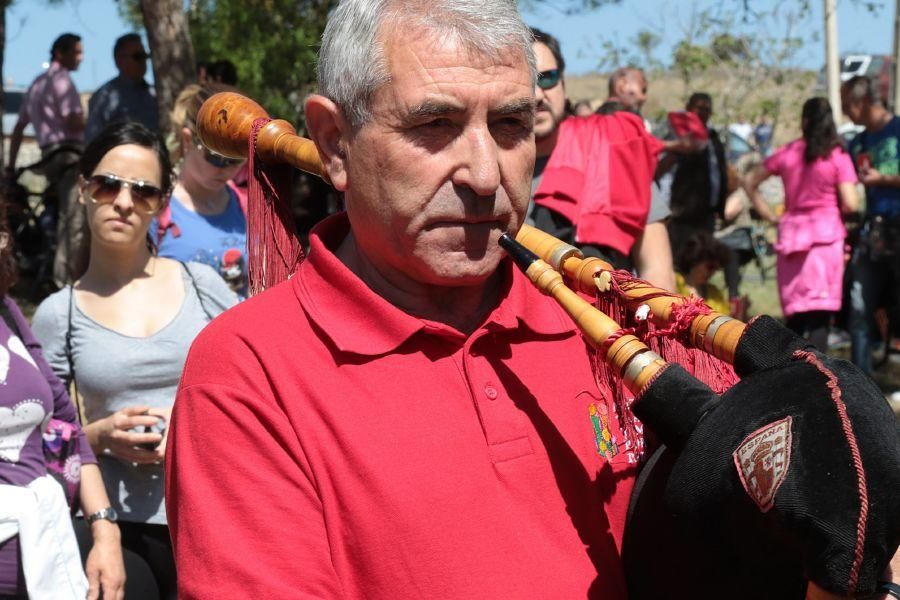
point(69, 357)
point(69, 334)
point(194, 285)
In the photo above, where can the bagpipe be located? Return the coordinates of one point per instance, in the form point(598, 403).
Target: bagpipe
point(775, 469)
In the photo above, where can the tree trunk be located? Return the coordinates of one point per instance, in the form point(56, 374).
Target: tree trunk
point(832, 59)
point(172, 50)
point(3, 5)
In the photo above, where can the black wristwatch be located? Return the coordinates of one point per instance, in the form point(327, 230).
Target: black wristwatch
point(108, 513)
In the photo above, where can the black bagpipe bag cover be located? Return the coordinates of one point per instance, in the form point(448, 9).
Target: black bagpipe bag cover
point(792, 475)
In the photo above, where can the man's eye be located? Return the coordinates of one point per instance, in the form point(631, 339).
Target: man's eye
point(436, 124)
point(513, 125)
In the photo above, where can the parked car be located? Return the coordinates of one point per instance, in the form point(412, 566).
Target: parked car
point(736, 147)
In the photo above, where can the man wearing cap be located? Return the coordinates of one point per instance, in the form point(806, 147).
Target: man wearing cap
point(407, 416)
point(127, 97)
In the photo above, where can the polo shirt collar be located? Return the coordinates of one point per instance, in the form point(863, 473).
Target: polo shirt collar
point(358, 320)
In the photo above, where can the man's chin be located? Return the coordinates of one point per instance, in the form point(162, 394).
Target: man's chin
point(464, 271)
point(544, 128)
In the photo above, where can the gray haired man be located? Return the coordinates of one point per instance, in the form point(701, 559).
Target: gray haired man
point(391, 422)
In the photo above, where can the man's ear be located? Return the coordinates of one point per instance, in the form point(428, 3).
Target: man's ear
point(329, 130)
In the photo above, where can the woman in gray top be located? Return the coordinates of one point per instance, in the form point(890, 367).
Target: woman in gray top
point(123, 332)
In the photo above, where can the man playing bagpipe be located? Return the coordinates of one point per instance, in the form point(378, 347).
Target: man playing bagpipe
point(407, 416)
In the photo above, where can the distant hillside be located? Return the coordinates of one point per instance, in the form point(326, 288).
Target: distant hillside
point(666, 93)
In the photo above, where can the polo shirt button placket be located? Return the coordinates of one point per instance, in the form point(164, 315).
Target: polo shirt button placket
point(490, 391)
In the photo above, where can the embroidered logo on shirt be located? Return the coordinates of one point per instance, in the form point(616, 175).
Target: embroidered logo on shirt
point(606, 442)
point(762, 461)
point(16, 424)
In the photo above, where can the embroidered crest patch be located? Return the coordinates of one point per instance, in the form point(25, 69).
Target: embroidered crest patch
point(606, 442)
point(762, 461)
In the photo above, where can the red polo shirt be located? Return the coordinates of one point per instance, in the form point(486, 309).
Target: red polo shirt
point(326, 444)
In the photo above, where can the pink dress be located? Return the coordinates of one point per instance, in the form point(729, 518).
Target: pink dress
point(811, 234)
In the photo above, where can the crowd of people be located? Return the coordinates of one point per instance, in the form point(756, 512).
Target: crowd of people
point(386, 421)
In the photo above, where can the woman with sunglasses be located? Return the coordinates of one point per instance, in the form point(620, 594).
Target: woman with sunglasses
point(122, 333)
point(205, 221)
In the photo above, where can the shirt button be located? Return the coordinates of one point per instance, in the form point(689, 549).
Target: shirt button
point(490, 391)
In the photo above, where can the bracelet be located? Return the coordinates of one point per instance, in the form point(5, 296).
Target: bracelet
point(890, 588)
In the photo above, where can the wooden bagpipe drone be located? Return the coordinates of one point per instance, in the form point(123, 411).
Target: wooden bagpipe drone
point(775, 469)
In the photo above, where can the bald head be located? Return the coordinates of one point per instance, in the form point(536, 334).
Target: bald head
point(628, 86)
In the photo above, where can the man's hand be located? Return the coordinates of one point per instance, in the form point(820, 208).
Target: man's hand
point(105, 568)
point(685, 145)
point(873, 177)
point(870, 176)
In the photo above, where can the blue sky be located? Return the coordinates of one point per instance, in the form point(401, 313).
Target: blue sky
point(33, 24)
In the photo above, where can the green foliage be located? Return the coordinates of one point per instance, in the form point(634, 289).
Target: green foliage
point(130, 11)
point(646, 43)
point(273, 44)
point(727, 48)
point(689, 59)
point(639, 52)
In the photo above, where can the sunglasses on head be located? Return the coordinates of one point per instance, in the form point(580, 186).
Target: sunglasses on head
point(548, 79)
point(104, 189)
point(217, 160)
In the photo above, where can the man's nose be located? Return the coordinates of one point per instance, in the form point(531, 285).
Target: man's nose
point(479, 167)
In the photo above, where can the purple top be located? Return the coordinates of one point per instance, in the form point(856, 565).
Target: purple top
point(51, 98)
point(29, 395)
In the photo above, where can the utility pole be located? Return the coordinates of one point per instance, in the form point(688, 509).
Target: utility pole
point(895, 89)
point(832, 60)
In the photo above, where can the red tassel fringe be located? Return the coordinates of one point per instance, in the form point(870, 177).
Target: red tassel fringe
point(273, 248)
point(670, 342)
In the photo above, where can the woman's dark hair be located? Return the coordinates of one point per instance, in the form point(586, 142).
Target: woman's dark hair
point(121, 134)
point(699, 248)
point(9, 271)
point(818, 129)
point(222, 71)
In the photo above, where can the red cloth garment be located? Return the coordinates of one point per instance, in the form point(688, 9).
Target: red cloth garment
point(599, 177)
point(685, 123)
point(326, 444)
